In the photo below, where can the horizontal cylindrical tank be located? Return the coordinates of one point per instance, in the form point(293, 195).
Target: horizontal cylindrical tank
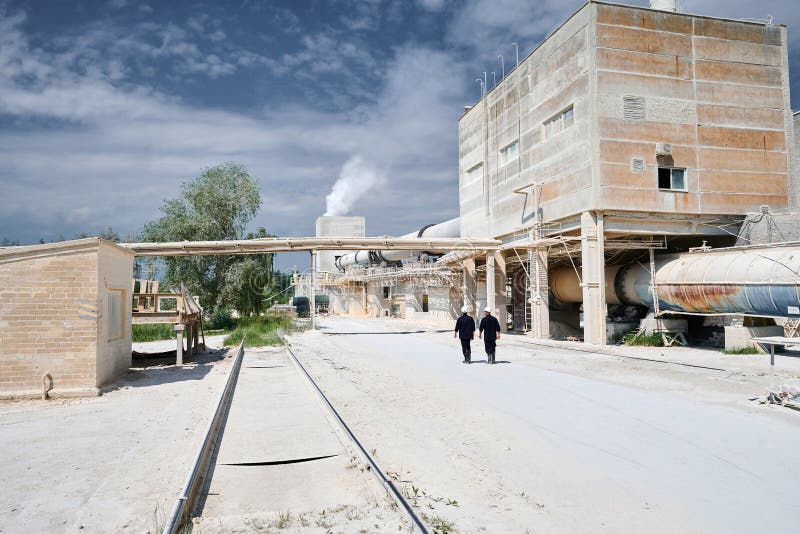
point(565, 285)
point(748, 281)
point(446, 229)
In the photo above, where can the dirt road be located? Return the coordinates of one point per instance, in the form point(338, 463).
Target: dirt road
point(557, 442)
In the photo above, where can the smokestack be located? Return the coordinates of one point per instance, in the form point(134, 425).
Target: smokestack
point(664, 5)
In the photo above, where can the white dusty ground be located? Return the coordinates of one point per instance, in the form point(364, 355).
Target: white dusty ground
point(282, 466)
point(555, 440)
point(113, 463)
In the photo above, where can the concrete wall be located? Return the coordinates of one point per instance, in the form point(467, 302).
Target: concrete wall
point(550, 80)
point(114, 276)
point(52, 312)
point(717, 90)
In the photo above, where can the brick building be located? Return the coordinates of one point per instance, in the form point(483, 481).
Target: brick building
point(65, 309)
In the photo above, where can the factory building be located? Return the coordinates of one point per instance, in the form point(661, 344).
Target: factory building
point(628, 138)
point(627, 130)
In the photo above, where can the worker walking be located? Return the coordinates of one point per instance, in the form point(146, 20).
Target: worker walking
point(465, 330)
point(490, 331)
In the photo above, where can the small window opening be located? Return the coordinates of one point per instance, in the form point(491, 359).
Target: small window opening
point(386, 292)
point(672, 179)
point(424, 303)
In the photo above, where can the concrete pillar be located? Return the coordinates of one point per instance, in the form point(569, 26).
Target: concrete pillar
point(490, 283)
point(312, 304)
point(499, 307)
point(539, 293)
point(179, 347)
point(471, 287)
point(593, 278)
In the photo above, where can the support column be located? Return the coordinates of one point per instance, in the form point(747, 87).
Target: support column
point(490, 280)
point(196, 337)
point(499, 307)
point(593, 278)
point(470, 287)
point(189, 348)
point(179, 347)
point(312, 304)
point(539, 287)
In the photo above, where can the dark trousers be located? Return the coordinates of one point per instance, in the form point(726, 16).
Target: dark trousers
point(466, 348)
point(490, 345)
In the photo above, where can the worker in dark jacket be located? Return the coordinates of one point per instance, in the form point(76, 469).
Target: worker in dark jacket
point(465, 330)
point(490, 332)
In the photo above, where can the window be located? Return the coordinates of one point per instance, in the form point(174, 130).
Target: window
point(509, 153)
point(425, 303)
point(115, 313)
point(386, 292)
point(672, 179)
point(474, 173)
point(559, 122)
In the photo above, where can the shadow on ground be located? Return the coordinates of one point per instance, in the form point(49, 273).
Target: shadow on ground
point(156, 369)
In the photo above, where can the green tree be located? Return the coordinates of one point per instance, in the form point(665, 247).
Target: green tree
point(216, 206)
point(109, 234)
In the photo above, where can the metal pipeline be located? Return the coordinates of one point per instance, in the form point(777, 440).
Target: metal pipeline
point(759, 281)
point(447, 229)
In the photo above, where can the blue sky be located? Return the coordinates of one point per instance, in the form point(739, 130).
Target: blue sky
point(107, 106)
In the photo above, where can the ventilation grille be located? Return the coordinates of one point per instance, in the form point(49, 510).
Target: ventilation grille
point(633, 108)
point(637, 165)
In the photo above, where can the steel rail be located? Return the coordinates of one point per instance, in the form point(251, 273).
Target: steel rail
point(419, 526)
point(183, 505)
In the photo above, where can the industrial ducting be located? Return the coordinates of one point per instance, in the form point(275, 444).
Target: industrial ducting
point(748, 281)
point(447, 229)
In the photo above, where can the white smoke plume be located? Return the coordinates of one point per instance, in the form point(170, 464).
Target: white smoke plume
point(356, 178)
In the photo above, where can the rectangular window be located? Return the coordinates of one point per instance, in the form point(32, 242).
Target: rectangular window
point(672, 179)
point(474, 173)
point(559, 122)
point(508, 154)
point(386, 292)
point(424, 303)
point(115, 313)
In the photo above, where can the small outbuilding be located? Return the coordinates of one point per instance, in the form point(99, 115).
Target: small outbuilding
point(65, 310)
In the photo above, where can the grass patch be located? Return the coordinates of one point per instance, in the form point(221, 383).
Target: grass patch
point(259, 331)
point(743, 350)
point(643, 340)
point(152, 332)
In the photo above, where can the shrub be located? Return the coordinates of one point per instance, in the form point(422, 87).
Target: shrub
point(644, 340)
point(259, 331)
point(152, 332)
point(742, 350)
point(221, 319)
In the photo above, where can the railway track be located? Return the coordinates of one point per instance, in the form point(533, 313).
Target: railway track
point(197, 478)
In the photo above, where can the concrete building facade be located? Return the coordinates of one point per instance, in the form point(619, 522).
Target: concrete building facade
point(65, 309)
point(626, 127)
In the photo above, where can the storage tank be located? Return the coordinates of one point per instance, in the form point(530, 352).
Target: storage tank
point(759, 281)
